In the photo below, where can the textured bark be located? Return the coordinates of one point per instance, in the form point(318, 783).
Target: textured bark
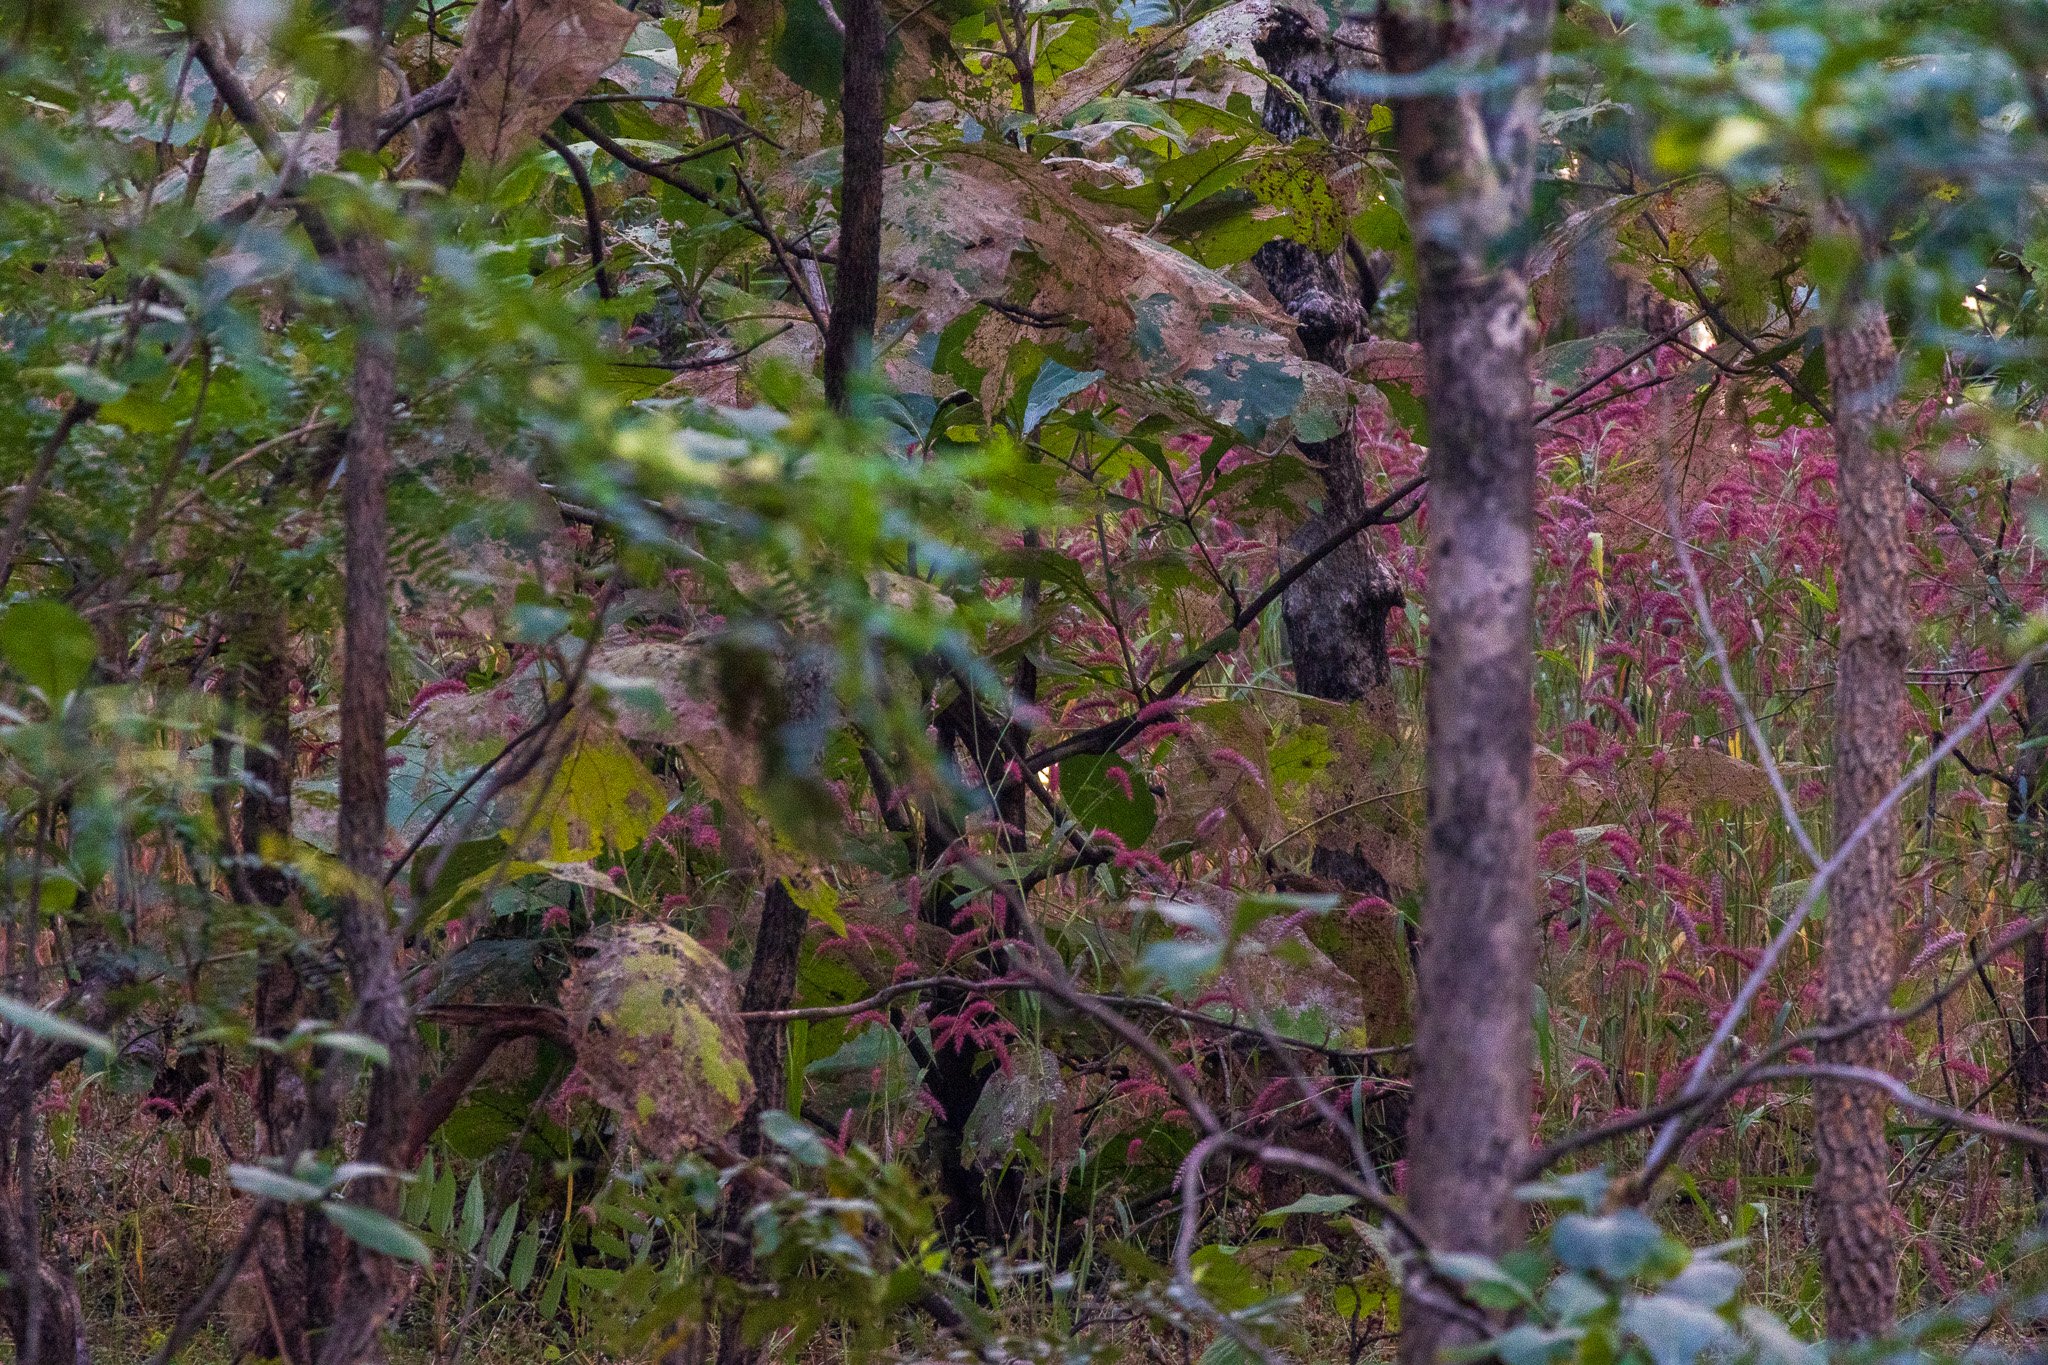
point(370, 1283)
point(1859, 1257)
point(1467, 161)
point(1336, 614)
point(771, 985)
point(851, 330)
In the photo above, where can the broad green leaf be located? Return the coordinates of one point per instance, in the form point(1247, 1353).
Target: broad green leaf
point(1617, 1245)
point(49, 645)
point(521, 1273)
point(601, 797)
point(1104, 792)
point(795, 1137)
point(262, 1182)
point(83, 380)
point(501, 1237)
point(356, 1045)
point(1320, 1204)
point(371, 1229)
point(471, 1230)
point(1675, 1331)
point(1054, 384)
point(53, 1027)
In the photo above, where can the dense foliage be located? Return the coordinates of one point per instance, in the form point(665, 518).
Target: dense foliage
point(930, 859)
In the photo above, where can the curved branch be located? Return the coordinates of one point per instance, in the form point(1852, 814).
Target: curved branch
point(593, 225)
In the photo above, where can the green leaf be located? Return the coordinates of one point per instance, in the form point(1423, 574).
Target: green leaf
point(49, 645)
point(1617, 1245)
point(441, 1211)
point(1179, 964)
point(1674, 1331)
point(1323, 1204)
point(1484, 1281)
point(796, 1137)
point(472, 1229)
point(261, 1182)
point(1054, 385)
point(373, 1230)
point(601, 797)
point(1104, 792)
point(1529, 1344)
point(53, 1028)
point(356, 1045)
point(501, 1237)
point(521, 1273)
point(89, 384)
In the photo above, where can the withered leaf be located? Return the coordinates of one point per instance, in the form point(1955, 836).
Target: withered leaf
point(524, 61)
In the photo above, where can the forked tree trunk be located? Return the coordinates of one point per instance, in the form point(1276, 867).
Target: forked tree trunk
point(1859, 1256)
point(1467, 161)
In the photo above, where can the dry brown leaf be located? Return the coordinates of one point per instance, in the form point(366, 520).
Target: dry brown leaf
point(524, 61)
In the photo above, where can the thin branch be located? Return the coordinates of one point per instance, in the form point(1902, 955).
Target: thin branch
point(1647, 349)
point(1700, 1078)
point(256, 124)
point(1111, 734)
point(1703, 610)
point(1705, 1102)
point(195, 1314)
point(593, 225)
point(25, 500)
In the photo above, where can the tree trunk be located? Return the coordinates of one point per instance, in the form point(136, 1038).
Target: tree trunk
point(850, 332)
point(1859, 1258)
point(1336, 614)
point(369, 944)
point(1467, 162)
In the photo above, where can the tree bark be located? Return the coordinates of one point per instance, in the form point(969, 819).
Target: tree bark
point(1859, 1256)
point(369, 943)
point(850, 332)
point(1467, 160)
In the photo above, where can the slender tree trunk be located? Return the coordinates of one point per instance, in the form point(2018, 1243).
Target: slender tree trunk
point(1467, 163)
point(370, 1282)
point(2028, 809)
point(850, 332)
point(1859, 1257)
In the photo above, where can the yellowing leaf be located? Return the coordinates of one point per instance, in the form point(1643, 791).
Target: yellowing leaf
point(602, 796)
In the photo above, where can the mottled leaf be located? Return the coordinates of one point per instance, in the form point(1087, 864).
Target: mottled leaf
point(655, 1019)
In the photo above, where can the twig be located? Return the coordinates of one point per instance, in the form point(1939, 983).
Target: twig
point(196, 1312)
point(1110, 734)
point(1647, 349)
point(24, 501)
point(1697, 1082)
point(1703, 609)
point(1700, 1104)
point(593, 225)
